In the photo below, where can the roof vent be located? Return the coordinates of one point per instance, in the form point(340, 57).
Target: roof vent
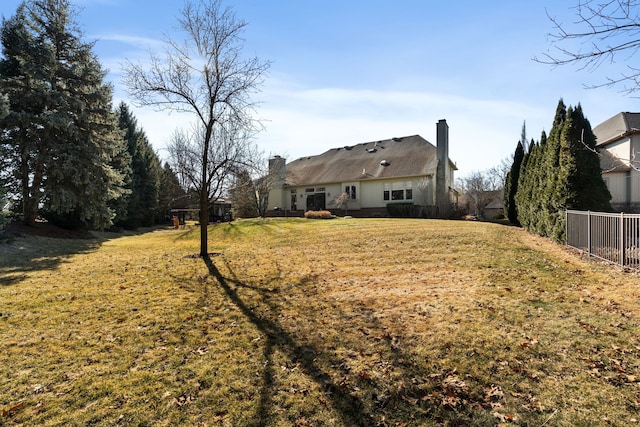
point(372, 150)
point(384, 163)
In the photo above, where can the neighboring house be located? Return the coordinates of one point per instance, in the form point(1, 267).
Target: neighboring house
point(369, 176)
point(494, 205)
point(618, 142)
point(495, 208)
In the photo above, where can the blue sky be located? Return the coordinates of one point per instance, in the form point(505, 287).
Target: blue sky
point(350, 71)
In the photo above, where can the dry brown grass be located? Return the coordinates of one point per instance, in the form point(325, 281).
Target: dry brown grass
point(318, 215)
point(311, 323)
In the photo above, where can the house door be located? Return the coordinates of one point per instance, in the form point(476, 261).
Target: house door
point(316, 202)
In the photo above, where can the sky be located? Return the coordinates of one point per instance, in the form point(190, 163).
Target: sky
point(345, 72)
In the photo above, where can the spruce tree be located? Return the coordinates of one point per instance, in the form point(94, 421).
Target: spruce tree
point(24, 147)
point(61, 129)
point(145, 173)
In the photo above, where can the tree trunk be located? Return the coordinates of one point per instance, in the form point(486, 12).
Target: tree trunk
point(204, 200)
point(204, 223)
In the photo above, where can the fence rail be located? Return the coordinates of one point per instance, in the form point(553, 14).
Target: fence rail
point(613, 237)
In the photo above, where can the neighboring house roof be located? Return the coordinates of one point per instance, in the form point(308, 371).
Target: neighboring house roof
point(497, 200)
point(617, 127)
point(390, 158)
point(620, 126)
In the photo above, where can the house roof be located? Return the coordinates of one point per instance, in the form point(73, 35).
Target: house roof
point(390, 158)
point(617, 127)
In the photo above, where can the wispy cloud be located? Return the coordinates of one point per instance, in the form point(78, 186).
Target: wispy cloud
point(303, 121)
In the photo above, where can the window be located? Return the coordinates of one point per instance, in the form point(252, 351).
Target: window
point(350, 190)
point(398, 191)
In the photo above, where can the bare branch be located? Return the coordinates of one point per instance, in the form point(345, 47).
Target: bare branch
point(602, 32)
point(207, 76)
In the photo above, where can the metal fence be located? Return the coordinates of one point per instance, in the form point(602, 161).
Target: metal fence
point(614, 237)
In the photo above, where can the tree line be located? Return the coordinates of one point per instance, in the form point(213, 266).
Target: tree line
point(560, 171)
point(66, 153)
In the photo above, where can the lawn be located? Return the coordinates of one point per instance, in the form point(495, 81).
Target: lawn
point(293, 322)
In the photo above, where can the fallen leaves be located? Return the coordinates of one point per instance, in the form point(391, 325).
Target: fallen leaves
point(12, 409)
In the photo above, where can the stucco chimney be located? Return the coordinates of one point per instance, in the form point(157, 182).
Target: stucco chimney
point(278, 169)
point(443, 201)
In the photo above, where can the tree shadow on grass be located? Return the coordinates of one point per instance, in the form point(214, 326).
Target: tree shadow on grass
point(21, 256)
point(405, 393)
point(25, 253)
point(277, 337)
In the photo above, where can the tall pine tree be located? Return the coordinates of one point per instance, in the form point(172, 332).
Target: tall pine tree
point(61, 131)
point(145, 174)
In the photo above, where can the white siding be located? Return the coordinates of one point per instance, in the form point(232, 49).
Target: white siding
point(277, 198)
point(621, 150)
point(635, 186)
point(332, 191)
point(372, 192)
point(616, 183)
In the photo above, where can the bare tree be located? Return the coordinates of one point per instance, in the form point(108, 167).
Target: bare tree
point(206, 76)
point(604, 30)
point(252, 185)
point(480, 188)
point(342, 201)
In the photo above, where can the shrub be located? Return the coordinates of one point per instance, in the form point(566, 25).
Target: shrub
point(318, 215)
point(403, 210)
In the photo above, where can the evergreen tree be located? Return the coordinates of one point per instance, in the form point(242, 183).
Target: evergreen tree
point(144, 177)
point(172, 195)
point(562, 172)
point(61, 131)
point(579, 183)
point(243, 196)
point(511, 185)
point(511, 181)
point(22, 79)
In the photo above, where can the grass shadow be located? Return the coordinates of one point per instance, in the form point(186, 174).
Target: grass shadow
point(359, 396)
point(23, 255)
point(349, 406)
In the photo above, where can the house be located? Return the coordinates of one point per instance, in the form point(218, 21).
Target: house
point(362, 180)
point(618, 142)
point(487, 204)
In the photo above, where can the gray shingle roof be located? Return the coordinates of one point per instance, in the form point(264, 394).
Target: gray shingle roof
point(396, 157)
point(618, 126)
